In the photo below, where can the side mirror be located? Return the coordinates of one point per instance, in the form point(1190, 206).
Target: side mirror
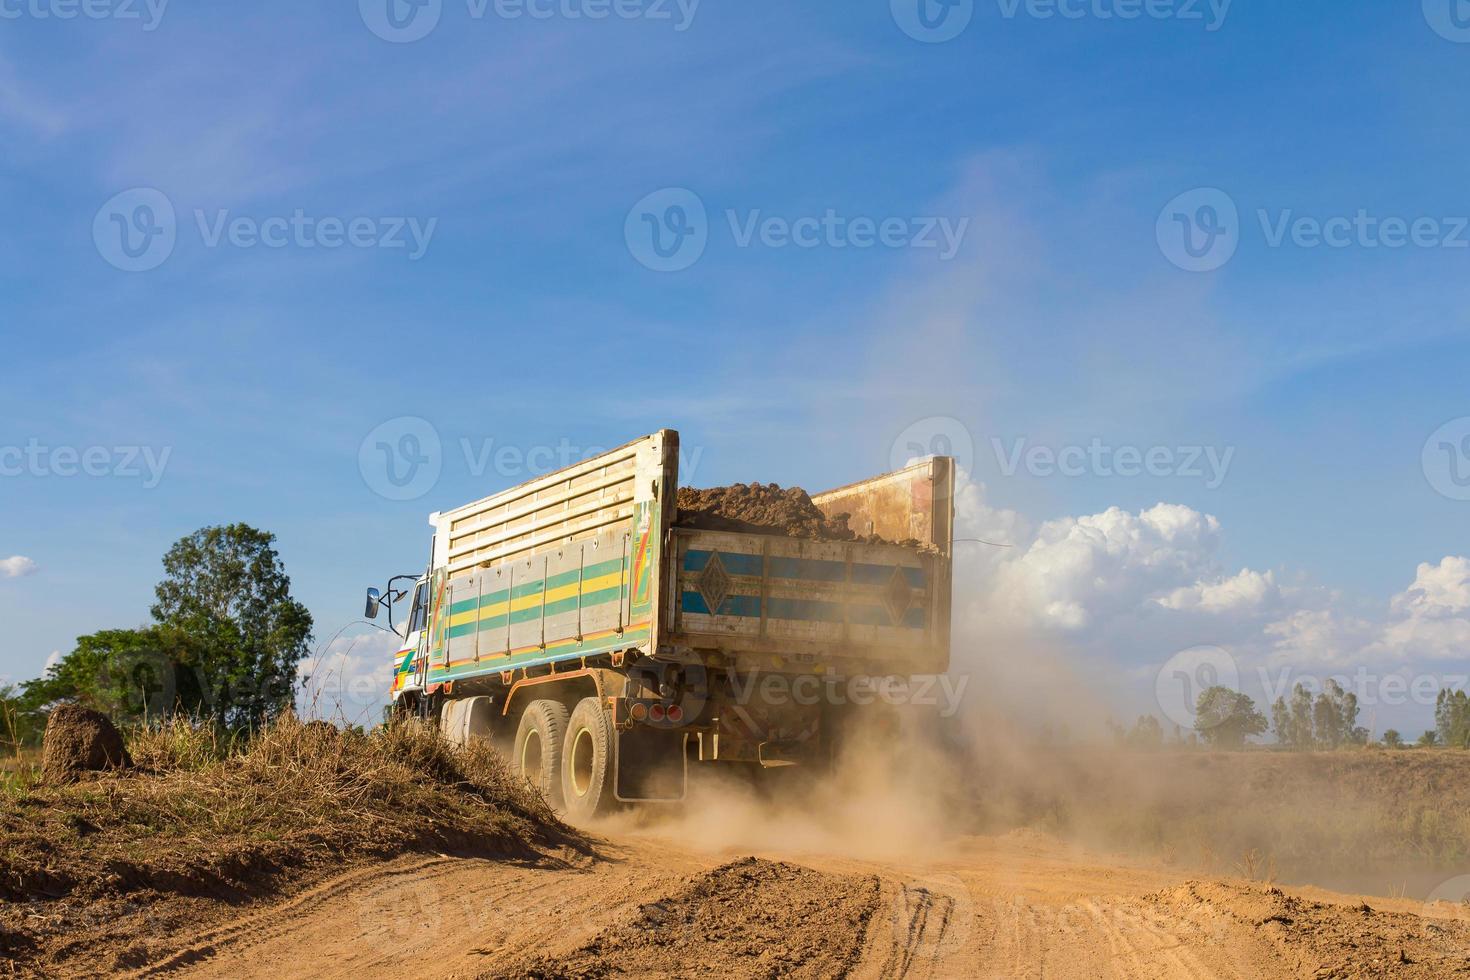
point(374, 601)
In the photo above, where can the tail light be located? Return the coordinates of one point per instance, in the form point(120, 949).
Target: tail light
point(676, 713)
point(656, 712)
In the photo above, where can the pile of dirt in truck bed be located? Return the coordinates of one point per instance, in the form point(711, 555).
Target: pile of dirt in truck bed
point(747, 919)
point(759, 508)
point(103, 874)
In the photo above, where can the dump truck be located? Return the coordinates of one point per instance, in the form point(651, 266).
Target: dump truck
point(572, 621)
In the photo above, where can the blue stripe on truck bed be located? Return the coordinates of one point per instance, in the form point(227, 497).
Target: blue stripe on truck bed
point(806, 610)
point(804, 569)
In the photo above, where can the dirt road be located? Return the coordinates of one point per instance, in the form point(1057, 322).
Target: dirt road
point(1017, 906)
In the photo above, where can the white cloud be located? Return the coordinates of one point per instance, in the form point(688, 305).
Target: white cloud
point(1318, 638)
point(1247, 590)
point(1130, 589)
point(1430, 620)
point(1076, 573)
point(17, 566)
point(1437, 591)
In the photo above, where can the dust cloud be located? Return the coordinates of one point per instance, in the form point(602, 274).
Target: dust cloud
point(1028, 751)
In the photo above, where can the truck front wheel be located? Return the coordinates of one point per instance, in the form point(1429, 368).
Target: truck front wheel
point(587, 762)
point(538, 748)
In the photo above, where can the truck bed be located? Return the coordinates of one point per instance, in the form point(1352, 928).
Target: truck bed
point(590, 560)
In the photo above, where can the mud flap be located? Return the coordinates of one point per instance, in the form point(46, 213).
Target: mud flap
point(650, 766)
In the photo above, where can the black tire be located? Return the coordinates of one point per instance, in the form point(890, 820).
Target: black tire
point(538, 748)
point(587, 770)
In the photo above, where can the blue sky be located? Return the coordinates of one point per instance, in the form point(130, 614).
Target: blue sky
point(518, 146)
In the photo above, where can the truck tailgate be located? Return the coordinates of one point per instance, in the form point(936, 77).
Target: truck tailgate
point(789, 603)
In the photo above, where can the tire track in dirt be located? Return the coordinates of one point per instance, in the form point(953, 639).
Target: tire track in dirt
point(438, 916)
point(1018, 908)
point(922, 919)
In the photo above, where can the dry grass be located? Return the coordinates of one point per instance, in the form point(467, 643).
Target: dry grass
point(20, 769)
point(106, 874)
point(201, 816)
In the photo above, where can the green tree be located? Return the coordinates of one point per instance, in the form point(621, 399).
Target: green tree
point(1301, 716)
point(129, 675)
point(225, 645)
point(20, 723)
point(1428, 740)
point(1147, 733)
point(1226, 718)
point(1452, 718)
point(1392, 739)
point(1292, 722)
point(227, 593)
point(1281, 722)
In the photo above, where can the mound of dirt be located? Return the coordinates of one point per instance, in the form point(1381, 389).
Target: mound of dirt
point(749, 918)
point(79, 740)
point(200, 835)
point(1319, 939)
point(759, 508)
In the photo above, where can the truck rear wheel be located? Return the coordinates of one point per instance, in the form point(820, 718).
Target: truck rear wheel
point(587, 762)
point(538, 748)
